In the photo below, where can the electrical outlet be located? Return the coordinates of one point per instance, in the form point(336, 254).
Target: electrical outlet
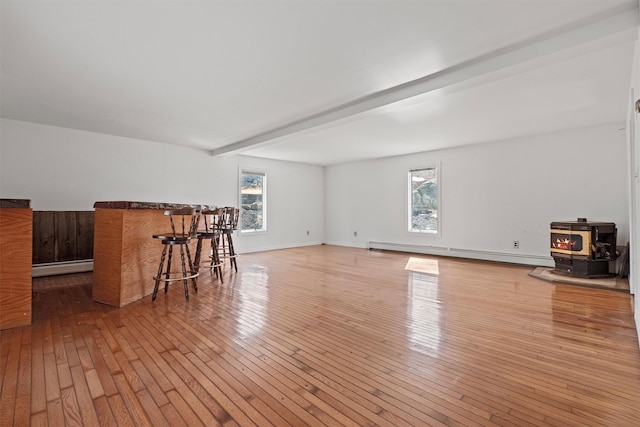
point(516, 244)
point(355, 234)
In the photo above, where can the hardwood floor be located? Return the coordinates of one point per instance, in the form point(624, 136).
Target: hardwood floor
point(327, 335)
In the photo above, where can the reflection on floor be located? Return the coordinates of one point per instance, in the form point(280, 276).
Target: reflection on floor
point(548, 275)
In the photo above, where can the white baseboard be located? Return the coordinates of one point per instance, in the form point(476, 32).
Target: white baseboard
point(52, 269)
point(536, 260)
point(349, 244)
point(278, 247)
point(56, 268)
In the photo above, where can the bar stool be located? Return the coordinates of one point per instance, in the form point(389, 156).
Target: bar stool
point(212, 224)
point(227, 227)
point(181, 238)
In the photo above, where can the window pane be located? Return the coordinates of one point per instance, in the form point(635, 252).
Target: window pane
point(252, 202)
point(423, 204)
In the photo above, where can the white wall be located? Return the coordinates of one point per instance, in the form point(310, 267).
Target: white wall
point(492, 194)
point(635, 83)
point(66, 169)
point(634, 179)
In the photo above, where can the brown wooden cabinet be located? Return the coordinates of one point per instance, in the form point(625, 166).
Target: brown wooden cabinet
point(15, 264)
point(126, 256)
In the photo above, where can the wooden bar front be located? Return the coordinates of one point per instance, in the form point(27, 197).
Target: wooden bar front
point(16, 228)
point(125, 256)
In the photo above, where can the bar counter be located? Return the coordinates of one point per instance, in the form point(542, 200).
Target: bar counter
point(16, 231)
point(125, 256)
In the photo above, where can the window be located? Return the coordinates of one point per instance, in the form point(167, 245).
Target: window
point(423, 200)
point(253, 205)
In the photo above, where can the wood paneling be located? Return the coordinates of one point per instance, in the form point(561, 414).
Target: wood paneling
point(330, 336)
point(84, 234)
point(60, 236)
point(65, 232)
point(126, 256)
point(44, 235)
point(15, 266)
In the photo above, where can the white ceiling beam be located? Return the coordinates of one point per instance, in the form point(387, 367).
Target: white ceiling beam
point(602, 25)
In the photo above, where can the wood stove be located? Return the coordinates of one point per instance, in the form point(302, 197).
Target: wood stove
point(583, 249)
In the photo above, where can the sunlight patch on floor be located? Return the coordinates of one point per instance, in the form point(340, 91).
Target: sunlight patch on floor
point(423, 265)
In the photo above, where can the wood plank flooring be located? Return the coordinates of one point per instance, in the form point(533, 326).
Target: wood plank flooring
point(332, 336)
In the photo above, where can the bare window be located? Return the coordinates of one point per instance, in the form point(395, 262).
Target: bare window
point(423, 200)
point(253, 201)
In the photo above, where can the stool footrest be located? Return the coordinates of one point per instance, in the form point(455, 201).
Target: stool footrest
point(173, 279)
point(209, 264)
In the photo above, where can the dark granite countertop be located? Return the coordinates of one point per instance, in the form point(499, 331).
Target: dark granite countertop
point(148, 205)
point(15, 203)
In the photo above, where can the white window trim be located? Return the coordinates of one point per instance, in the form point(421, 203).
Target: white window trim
point(407, 204)
point(265, 202)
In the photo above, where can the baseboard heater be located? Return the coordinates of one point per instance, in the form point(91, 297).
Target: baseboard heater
point(57, 268)
point(535, 260)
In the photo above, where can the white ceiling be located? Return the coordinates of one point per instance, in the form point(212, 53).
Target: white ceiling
point(317, 81)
